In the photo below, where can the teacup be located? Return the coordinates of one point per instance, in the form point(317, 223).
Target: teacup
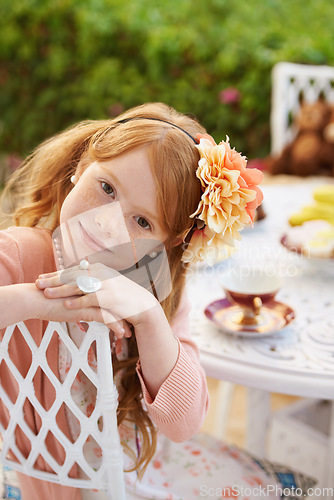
point(250, 287)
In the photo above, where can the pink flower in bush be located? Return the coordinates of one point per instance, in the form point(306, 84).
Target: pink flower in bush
point(230, 95)
point(13, 161)
point(115, 109)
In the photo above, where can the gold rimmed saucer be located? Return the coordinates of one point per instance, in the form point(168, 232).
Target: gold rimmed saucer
point(272, 317)
point(321, 261)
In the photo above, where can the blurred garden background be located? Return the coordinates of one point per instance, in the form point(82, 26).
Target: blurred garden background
point(62, 61)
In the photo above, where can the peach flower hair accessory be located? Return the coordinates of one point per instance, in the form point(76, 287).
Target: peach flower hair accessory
point(229, 200)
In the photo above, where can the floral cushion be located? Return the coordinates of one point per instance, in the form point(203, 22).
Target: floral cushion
point(202, 467)
point(205, 467)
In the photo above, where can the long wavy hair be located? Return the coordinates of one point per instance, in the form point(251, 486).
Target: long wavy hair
point(38, 188)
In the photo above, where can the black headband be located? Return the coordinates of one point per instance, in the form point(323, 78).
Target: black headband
point(159, 120)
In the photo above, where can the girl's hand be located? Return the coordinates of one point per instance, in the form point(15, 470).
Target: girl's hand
point(119, 302)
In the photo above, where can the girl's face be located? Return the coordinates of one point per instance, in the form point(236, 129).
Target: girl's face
point(111, 214)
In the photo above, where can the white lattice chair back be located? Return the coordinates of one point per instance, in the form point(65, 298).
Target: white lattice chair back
point(291, 83)
point(109, 476)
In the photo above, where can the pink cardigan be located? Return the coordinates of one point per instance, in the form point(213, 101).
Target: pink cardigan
point(177, 410)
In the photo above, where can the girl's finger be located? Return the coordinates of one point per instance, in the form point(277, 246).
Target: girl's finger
point(48, 281)
point(58, 278)
point(86, 300)
point(89, 302)
point(117, 328)
point(49, 275)
point(103, 316)
point(124, 325)
point(51, 281)
point(111, 322)
point(127, 329)
point(63, 291)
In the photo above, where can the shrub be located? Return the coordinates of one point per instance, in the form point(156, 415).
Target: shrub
point(62, 61)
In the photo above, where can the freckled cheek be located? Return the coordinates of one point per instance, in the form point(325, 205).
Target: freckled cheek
point(89, 198)
point(79, 201)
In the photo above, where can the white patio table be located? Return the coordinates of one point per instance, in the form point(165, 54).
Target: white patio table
point(298, 360)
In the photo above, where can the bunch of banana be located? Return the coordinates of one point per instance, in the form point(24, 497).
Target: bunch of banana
point(324, 194)
point(323, 208)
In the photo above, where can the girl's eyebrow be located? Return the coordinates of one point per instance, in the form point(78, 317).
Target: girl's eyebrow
point(109, 174)
point(140, 210)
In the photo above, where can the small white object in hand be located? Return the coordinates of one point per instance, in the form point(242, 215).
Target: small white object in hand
point(88, 284)
point(84, 265)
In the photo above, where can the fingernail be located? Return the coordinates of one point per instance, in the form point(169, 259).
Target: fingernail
point(40, 282)
point(69, 303)
point(50, 291)
point(120, 333)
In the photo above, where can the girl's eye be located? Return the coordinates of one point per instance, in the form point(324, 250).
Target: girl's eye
point(143, 223)
point(108, 189)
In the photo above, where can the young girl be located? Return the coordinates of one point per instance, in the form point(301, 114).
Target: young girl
point(117, 193)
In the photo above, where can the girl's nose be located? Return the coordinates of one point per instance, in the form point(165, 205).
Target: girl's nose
point(110, 221)
point(107, 224)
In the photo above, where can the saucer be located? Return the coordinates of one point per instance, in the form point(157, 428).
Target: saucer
point(273, 317)
point(321, 261)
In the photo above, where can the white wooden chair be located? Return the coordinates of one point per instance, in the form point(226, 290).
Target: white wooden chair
point(292, 83)
point(109, 475)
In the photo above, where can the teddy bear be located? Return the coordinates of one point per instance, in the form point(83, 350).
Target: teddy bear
point(329, 129)
point(311, 152)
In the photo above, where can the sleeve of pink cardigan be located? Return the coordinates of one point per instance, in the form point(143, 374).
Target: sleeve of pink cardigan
point(10, 268)
point(24, 253)
point(179, 408)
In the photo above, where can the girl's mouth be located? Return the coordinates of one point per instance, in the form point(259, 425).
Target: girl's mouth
point(91, 241)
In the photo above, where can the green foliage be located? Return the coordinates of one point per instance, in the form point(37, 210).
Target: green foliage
point(62, 61)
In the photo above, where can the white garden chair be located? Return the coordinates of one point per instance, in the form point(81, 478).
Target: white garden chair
point(109, 475)
point(292, 83)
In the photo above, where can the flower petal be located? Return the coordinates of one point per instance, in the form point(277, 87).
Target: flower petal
point(229, 199)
